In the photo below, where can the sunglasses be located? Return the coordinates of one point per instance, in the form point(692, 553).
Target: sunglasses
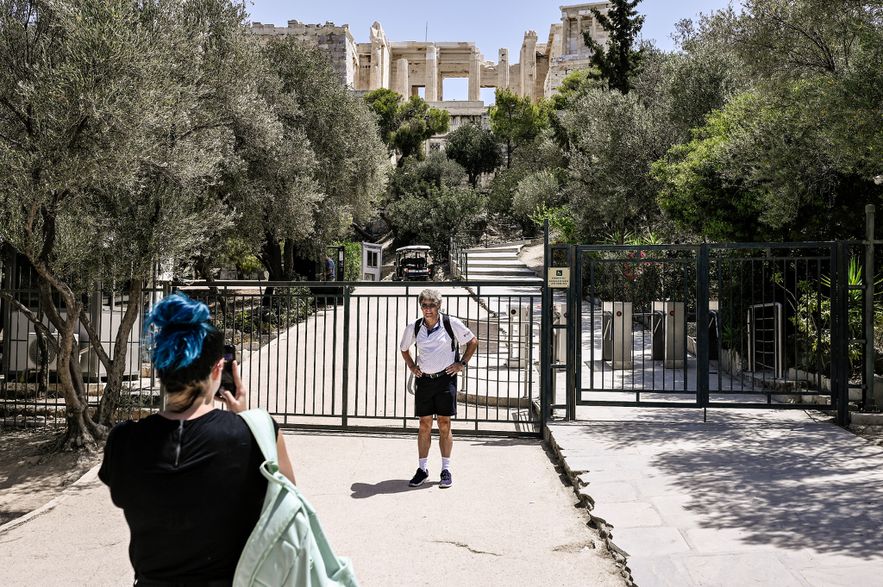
point(428, 306)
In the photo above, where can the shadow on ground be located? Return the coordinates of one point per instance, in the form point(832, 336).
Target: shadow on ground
point(794, 485)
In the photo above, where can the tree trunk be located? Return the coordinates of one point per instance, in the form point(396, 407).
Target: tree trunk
point(43, 366)
point(271, 257)
point(82, 432)
point(110, 399)
point(288, 259)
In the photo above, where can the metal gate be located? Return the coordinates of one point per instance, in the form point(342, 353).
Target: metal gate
point(322, 354)
point(750, 325)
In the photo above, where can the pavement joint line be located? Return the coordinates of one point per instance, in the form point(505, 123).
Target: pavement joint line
point(604, 528)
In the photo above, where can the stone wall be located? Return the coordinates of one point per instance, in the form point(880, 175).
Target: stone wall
point(381, 63)
point(335, 41)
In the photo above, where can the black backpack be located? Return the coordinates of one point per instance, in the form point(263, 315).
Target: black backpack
point(447, 324)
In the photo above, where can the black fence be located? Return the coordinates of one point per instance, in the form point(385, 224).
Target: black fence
point(785, 325)
point(30, 392)
point(311, 353)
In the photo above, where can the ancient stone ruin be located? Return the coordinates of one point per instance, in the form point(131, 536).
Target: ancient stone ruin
point(408, 66)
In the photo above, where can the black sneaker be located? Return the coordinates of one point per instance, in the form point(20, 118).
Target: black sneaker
point(419, 477)
point(446, 480)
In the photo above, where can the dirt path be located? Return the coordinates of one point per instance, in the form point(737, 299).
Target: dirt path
point(31, 476)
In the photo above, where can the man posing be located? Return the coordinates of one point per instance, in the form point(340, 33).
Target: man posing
point(438, 338)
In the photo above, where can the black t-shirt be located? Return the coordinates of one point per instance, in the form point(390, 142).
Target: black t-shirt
point(191, 492)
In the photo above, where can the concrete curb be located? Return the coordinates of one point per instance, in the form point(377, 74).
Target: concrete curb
point(88, 477)
point(620, 556)
point(866, 418)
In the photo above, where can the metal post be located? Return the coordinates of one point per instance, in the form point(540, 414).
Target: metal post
point(702, 327)
point(868, 399)
point(545, 334)
point(572, 302)
point(576, 276)
point(840, 334)
point(345, 372)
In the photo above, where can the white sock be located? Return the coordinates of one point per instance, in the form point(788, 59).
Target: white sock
point(446, 463)
point(422, 464)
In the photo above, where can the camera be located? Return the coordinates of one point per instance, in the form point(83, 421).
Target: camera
point(227, 381)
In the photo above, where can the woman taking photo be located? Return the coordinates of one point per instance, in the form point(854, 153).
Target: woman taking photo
point(187, 478)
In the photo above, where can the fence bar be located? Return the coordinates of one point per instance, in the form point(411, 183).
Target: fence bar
point(868, 399)
point(840, 333)
point(573, 302)
point(545, 334)
point(701, 328)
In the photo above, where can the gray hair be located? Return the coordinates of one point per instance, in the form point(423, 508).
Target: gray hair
point(430, 295)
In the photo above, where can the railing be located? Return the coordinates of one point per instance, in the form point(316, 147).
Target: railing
point(30, 392)
point(314, 354)
point(742, 325)
point(317, 354)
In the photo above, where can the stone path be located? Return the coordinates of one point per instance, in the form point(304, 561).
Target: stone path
point(507, 520)
point(749, 498)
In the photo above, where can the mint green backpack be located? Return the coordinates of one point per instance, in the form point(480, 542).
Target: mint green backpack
point(287, 547)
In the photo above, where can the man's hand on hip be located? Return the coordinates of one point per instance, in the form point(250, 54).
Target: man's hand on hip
point(454, 368)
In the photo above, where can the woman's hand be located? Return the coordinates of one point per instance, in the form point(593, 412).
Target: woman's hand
point(416, 371)
point(240, 402)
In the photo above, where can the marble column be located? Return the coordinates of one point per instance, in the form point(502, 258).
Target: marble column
point(565, 35)
point(432, 85)
point(529, 64)
point(376, 66)
point(503, 69)
point(475, 76)
point(403, 86)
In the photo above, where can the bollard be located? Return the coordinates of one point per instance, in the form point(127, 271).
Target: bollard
point(620, 334)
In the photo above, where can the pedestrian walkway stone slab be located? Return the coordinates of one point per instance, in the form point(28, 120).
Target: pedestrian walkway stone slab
point(759, 497)
point(740, 570)
point(650, 541)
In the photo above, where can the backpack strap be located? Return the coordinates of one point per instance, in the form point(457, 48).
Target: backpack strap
point(417, 326)
point(450, 330)
point(261, 424)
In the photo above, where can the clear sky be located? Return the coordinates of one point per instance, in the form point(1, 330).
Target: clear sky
point(490, 24)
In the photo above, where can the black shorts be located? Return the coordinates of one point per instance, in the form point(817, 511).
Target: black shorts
point(435, 396)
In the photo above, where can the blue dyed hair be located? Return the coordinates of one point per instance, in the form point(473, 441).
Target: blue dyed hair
point(184, 343)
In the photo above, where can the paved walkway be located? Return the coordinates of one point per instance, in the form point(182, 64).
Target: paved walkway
point(747, 498)
point(508, 520)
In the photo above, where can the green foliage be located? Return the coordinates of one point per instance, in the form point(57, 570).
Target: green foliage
point(238, 253)
point(536, 190)
point(418, 177)
point(794, 156)
point(812, 317)
point(385, 105)
point(614, 139)
point(618, 59)
point(352, 259)
point(115, 129)
point(342, 132)
point(721, 206)
point(406, 125)
point(561, 223)
point(474, 148)
point(432, 219)
point(765, 168)
point(516, 120)
point(287, 307)
point(572, 87)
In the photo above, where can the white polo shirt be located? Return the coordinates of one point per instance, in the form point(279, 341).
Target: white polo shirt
point(434, 352)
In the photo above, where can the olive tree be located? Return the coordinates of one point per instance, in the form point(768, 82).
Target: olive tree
point(111, 138)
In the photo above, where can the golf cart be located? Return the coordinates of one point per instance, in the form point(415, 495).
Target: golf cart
point(413, 263)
